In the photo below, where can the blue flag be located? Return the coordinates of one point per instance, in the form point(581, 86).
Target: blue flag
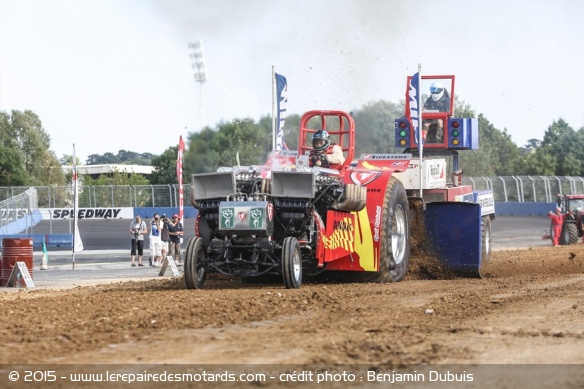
point(281, 106)
point(414, 114)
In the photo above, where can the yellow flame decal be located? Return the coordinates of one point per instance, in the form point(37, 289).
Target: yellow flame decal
point(355, 239)
point(364, 242)
point(341, 237)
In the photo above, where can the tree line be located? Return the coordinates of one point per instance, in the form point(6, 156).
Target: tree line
point(27, 160)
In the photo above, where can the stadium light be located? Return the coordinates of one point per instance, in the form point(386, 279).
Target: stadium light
point(198, 63)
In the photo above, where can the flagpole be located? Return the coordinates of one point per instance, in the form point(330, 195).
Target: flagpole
point(179, 163)
point(74, 182)
point(420, 129)
point(273, 108)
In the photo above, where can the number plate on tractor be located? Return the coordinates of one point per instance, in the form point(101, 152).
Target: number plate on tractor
point(254, 217)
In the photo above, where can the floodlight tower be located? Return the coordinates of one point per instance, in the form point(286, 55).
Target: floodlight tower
point(196, 54)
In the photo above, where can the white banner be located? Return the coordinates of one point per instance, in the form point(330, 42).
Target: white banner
point(87, 213)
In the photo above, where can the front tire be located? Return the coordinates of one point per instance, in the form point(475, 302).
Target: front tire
point(194, 264)
point(291, 263)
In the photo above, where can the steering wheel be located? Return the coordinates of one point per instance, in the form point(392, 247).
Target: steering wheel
point(317, 157)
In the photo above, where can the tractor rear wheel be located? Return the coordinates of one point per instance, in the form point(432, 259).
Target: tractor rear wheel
point(394, 255)
point(291, 263)
point(194, 264)
point(569, 234)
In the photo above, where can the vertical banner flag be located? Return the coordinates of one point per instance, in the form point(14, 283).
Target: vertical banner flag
point(414, 113)
point(179, 163)
point(415, 116)
point(281, 108)
point(45, 258)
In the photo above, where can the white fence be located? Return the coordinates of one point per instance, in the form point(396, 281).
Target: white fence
point(17, 208)
point(525, 189)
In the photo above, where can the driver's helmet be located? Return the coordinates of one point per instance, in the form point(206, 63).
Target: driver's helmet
point(437, 90)
point(318, 136)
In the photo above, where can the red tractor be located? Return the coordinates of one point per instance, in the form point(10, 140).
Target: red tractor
point(572, 206)
point(289, 219)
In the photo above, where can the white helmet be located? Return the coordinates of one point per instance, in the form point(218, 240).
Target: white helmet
point(437, 90)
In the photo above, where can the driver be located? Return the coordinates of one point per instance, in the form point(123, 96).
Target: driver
point(324, 153)
point(439, 101)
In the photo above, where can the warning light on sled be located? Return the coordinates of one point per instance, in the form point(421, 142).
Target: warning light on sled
point(457, 134)
point(402, 132)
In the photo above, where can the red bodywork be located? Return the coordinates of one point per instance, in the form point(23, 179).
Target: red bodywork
point(349, 240)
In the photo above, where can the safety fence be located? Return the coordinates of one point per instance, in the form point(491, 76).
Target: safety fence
point(108, 196)
point(17, 211)
point(526, 189)
point(517, 189)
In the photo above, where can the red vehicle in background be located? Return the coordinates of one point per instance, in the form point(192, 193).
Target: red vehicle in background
point(573, 208)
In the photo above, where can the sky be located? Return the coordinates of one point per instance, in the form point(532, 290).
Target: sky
point(110, 75)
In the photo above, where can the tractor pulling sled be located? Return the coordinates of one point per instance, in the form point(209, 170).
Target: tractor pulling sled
point(289, 219)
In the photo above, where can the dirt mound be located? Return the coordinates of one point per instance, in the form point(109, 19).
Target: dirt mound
point(529, 309)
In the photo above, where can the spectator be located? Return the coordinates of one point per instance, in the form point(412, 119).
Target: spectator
point(175, 228)
point(138, 229)
point(324, 153)
point(164, 237)
point(155, 240)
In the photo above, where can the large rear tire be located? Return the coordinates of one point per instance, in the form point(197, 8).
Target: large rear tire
point(291, 263)
point(394, 255)
point(569, 233)
point(194, 264)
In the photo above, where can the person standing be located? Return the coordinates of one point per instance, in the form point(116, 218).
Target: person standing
point(155, 240)
point(138, 229)
point(176, 230)
point(557, 223)
point(164, 237)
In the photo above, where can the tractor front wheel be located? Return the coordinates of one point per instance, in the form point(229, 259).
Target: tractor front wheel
point(194, 264)
point(291, 263)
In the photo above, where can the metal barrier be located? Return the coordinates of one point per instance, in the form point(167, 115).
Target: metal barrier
point(518, 189)
point(51, 240)
point(17, 211)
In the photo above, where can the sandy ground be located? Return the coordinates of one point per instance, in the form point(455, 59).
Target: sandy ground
point(529, 309)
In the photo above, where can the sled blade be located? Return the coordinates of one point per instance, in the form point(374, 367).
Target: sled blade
point(453, 231)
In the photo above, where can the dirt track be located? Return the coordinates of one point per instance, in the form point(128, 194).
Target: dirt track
point(528, 310)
